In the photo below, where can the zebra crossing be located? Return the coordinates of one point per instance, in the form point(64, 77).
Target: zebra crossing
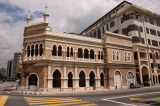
point(57, 101)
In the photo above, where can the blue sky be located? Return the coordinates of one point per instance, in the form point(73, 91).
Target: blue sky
point(65, 16)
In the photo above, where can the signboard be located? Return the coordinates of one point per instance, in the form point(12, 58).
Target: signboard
point(19, 69)
point(111, 78)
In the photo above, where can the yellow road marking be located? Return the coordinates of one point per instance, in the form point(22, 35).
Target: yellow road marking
point(50, 98)
point(86, 105)
point(49, 101)
point(60, 104)
point(55, 101)
point(144, 99)
point(3, 100)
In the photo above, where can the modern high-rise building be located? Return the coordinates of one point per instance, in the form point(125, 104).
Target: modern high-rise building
point(3, 72)
point(12, 66)
point(15, 63)
point(9, 68)
point(144, 28)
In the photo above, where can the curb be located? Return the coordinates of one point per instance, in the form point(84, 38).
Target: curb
point(25, 92)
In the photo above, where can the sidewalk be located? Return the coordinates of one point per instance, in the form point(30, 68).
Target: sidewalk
point(77, 91)
point(61, 92)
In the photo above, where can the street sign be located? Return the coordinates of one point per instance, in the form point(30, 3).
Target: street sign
point(19, 69)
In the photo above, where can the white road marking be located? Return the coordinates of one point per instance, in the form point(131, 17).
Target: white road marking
point(109, 99)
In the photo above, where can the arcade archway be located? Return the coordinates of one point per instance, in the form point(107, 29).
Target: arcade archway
point(32, 82)
point(92, 78)
point(82, 82)
point(70, 80)
point(145, 76)
point(33, 79)
point(102, 79)
point(159, 78)
point(56, 79)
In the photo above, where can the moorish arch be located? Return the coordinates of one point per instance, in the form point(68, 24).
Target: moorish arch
point(82, 81)
point(117, 80)
point(56, 79)
point(130, 78)
point(159, 78)
point(33, 82)
point(91, 78)
point(70, 79)
point(145, 75)
point(102, 79)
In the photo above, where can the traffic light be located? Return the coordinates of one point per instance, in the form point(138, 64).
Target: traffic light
point(18, 75)
point(25, 75)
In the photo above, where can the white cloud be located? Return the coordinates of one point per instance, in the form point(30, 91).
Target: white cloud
point(65, 16)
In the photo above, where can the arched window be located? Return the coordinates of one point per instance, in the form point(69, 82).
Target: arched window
point(32, 50)
point(41, 50)
point(129, 57)
point(86, 53)
point(80, 53)
point(28, 51)
point(36, 50)
point(71, 52)
point(125, 56)
point(54, 51)
point(157, 57)
point(113, 55)
point(59, 51)
point(117, 55)
point(102, 79)
point(67, 51)
point(91, 54)
point(99, 55)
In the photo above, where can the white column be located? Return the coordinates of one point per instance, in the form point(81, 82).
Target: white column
point(140, 70)
point(97, 79)
point(50, 78)
point(75, 79)
point(87, 82)
point(65, 78)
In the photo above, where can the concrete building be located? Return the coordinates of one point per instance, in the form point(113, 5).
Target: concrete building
point(9, 68)
point(15, 63)
point(3, 72)
point(60, 61)
point(144, 28)
point(12, 66)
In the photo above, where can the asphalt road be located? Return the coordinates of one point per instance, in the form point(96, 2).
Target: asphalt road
point(141, 96)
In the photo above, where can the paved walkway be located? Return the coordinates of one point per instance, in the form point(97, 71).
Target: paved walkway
point(77, 91)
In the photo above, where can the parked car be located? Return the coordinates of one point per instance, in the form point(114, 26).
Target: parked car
point(1, 81)
point(132, 85)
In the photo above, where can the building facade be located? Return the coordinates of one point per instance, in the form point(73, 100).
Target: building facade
point(144, 28)
point(60, 61)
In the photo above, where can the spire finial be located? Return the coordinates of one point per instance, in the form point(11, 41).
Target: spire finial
point(46, 9)
point(28, 13)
